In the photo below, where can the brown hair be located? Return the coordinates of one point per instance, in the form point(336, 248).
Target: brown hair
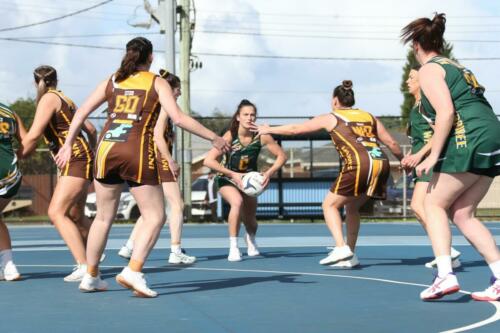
point(172, 79)
point(235, 124)
point(138, 51)
point(344, 93)
point(426, 32)
point(45, 78)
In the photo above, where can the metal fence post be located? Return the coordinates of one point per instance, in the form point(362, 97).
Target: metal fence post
point(405, 188)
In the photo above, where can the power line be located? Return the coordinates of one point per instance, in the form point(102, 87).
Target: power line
point(336, 16)
point(392, 32)
point(56, 18)
point(88, 46)
point(117, 34)
point(233, 55)
point(329, 37)
point(41, 8)
point(327, 25)
point(243, 33)
point(214, 54)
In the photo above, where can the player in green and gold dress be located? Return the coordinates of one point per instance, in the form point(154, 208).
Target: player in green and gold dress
point(245, 149)
point(11, 127)
point(420, 134)
point(465, 155)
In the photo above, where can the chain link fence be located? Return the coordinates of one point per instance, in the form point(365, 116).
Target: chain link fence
point(295, 192)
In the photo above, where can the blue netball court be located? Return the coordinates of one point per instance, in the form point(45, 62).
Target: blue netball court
point(284, 290)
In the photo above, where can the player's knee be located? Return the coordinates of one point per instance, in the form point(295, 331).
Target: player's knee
point(460, 215)
point(236, 203)
point(55, 213)
point(418, 210)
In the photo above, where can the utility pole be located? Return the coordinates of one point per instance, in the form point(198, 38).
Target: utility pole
point(185, 52)
point(164, 15)
point(166, 12)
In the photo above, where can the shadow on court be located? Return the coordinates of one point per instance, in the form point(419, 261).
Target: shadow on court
point(420, 261)
point(233, 282)
point(263, 255)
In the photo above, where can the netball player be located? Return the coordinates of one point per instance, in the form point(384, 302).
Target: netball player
point(245, 149)
point(11, 128)
point(126, 153)
point(355, 134)
point(53, 116)
point(420, 133)
point(168, 170)
point(465, 155)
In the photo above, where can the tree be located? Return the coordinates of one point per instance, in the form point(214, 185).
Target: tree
point(40, 162)
point(217, 122)
point(411, 62)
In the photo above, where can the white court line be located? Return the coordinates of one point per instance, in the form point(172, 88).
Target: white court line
point(270, 242)
point(495, 317)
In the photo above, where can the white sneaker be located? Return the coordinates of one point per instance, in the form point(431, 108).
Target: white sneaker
point(125, 252)
point(455, 254)
point(181, 258)
point(455, 263)
point(77, 274)
point(91, 284)
point(9, 272)
point(234, 254)
point(252, 249)
point(353, 262)
point(135, 281)
point(490, 294)
point(440, 287)
point(337, 254)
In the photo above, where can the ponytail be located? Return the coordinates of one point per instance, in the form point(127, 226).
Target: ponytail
point(45, 78)
point(138, 51)
point(426, 32)
point(172, 79)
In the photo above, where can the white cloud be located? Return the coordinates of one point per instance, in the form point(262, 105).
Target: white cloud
point(278, 86)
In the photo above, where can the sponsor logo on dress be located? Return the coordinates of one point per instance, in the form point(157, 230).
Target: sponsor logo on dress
point(460, 137)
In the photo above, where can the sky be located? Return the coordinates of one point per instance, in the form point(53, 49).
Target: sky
point(276, 28)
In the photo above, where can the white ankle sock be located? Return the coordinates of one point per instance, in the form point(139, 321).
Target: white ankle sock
point(130, 244)
point(233, 241)
point(5, 257)
point(444, 265)
point(175, 248)
point(495, 268)
point(251, 239)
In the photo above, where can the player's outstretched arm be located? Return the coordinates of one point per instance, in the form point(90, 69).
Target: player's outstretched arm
point(181, 119)
point(325, 121)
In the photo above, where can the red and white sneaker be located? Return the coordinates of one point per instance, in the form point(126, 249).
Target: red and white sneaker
point(490, 294)
point(440, 287)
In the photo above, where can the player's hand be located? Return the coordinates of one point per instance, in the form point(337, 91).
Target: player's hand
point(426, 166)
point(267, 178)
point(221, 144)
point(174, 168)
point(236, 178)
point(260, 129)
point(411, 161)
point(63, 156)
